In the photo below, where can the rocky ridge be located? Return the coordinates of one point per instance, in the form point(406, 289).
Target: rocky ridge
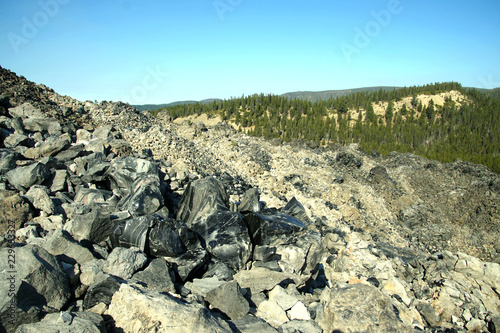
point(202, 228)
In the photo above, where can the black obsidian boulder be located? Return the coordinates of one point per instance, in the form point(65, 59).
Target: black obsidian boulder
point(204, 208)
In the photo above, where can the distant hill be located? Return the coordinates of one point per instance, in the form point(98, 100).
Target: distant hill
point(314, 96)
point(147, 107)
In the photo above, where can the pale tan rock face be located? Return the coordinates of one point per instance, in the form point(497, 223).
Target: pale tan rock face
point(135, 309)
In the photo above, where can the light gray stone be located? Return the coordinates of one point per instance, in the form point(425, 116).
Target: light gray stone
point(136, 309)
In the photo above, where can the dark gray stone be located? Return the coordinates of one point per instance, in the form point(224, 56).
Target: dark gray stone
point(201, 198)
point(144, 196)
point(204, 209)
point(252, 324)
point(8, 160)
point(36, 279)
point(26, 176)
point(157, 276)
point(70, 153)
point(228, 299)
point(94, 226)
point(68, 322)
point(102, 291)
point(54, 145)
point(250, 202)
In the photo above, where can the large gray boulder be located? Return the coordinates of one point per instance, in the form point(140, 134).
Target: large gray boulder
point(94, 226)
point(160, 312)
point(124, 262)
point(360, 308)
point(24, 177)
point(157, 276)
point(34, 283)
point(228, 299)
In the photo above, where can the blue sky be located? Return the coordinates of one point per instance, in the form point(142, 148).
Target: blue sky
point(159, 51)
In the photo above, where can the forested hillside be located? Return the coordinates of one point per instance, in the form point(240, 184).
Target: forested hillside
point(441, 121)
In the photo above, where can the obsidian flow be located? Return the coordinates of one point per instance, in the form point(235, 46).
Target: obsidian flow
point(206, 230)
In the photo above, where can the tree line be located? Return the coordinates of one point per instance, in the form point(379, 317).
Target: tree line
point(470, 131)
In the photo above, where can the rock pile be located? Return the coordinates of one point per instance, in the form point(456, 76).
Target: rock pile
point(113, 221)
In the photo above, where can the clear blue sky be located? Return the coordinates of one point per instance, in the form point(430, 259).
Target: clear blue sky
point(159, 51)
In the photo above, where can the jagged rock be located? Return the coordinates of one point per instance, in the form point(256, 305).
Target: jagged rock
point(124, 262)
point(26, 176)
point(133, 232)
point(85, 163)
point(78, 322)
point(102, 290)
point(299, 312)
point(300, 248)
point(90, 271)
point(228, 299)
point(44, 125)
point(200, 199)
point(34, 281)
point(259, 279)
point(201, 287)
point(156, 276)
point(204, 208)
point(429, 314)
point(103, 133)
point(191, 264)
point(220, 270)
point(145, 196)
point(300, 326)
point(252, 324)
point(94, 226)
point(124, 171)
point(15, 140)
point(39, 197)
point(282, 298)
point(26, 110)
point(295, 209)
point(70, 153)
point(8, 160)
point(250, 202)
point(272, 313)
point(169, 238)
point(82, 135)
point(59, 181)
point(87, 196)
point(134, 308)
point(96, 173)
point(53, 145)
point(60, 243)
point(14, 212)
point(357, 308)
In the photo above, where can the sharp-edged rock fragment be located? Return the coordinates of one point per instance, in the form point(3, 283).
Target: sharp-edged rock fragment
point(228, 299)
point(134, 308)
point(34, 280)
point(26, 176)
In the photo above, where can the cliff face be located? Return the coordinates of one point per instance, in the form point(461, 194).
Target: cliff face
point(203, 228)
